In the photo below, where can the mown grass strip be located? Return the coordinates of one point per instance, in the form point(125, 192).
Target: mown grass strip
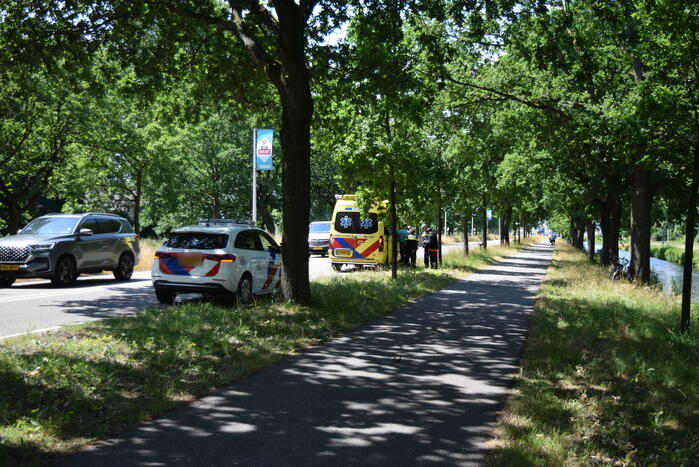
point(606, 379)
point(63, 390)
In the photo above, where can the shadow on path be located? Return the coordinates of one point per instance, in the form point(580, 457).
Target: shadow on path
point(421, 385)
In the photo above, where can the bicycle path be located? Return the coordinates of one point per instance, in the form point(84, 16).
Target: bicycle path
point(421, 385)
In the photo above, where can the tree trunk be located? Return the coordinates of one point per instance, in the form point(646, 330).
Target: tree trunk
point(288, 71)
point(590, 226)
point(394, 227)
point(266, 215)
point(579, 238)
point(519, 233)
point(465, 224)
point(216, 206)
point(14, 217)
point(610, 223)
point(484, 245)
point(614, 228)
point(508, 223)
point(439, 234)
point(604, 223)
point(502, 239)
point(137, 202)
point(295, 137)
point(689, 245)
point(263, 196)
point(641, 200)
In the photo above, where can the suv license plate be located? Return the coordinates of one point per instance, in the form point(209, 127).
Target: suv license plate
point(343, 252)
point(9, 267)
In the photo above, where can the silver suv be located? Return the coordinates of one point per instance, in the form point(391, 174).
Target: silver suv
point(61, 246)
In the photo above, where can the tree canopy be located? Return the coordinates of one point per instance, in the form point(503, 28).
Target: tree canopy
point(538, 110)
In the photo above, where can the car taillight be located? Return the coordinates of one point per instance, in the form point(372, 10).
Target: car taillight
point(381, 243)
point(163, 255)
point(220, 258)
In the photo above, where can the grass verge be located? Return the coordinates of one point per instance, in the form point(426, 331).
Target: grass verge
point(63, 390)
point(674, 255)
point(606, 378)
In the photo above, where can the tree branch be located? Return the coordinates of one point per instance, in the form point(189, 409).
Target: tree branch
point(262, 15)
point(512, 97)
point(307, 7)
point(202, 18)
point(28, 128)
point(257, 52)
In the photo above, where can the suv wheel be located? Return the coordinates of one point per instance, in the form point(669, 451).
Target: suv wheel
point(337, 267)
point(165, 296)
point(124, 268)
point(245, 290)
point(7, 281)
point(65, 273)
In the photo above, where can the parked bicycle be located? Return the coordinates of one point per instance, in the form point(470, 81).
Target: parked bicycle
point(620, 269)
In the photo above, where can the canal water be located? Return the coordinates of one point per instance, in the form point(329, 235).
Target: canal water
point(668, 274)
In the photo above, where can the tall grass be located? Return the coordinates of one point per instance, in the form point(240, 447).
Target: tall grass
point(606, 379)
point(148, 248)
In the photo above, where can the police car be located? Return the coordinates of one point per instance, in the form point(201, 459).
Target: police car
point(217, 257)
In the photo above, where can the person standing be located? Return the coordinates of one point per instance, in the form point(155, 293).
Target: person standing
point(430, 246)
point(403, 245)
point(411, 246)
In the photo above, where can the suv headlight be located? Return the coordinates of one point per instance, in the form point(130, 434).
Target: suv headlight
point(42, 246)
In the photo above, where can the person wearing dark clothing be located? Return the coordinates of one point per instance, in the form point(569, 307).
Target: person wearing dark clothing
point(431, 246)
point(411, 245)
point(403, 244)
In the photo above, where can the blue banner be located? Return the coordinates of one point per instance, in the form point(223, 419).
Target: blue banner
point(263, 149)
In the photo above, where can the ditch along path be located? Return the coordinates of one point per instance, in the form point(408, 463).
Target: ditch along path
point(420, 385)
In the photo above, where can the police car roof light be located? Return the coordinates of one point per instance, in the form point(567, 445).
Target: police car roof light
point(209, 221)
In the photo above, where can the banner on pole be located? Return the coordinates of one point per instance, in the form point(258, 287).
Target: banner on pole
point(489, 214)
point(263, 150)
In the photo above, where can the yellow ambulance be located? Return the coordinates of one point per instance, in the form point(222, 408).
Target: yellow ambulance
point(357, 240)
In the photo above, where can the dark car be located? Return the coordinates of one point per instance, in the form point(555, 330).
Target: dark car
point(61, 246)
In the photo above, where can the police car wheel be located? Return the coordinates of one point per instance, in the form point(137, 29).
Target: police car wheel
point(245, 290)
point(165, 296)
point(336, 267)
point(7, 281)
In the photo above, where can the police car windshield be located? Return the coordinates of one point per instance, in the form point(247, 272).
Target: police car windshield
point(350, 222)
point(319, 227)
point(197, 241)
point(51, 225)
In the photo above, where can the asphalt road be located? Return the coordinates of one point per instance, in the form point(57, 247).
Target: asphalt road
point(420, 386)
point(36, 306)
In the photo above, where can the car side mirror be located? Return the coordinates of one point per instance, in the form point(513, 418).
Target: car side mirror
point(85, 232)
point(19, 231)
